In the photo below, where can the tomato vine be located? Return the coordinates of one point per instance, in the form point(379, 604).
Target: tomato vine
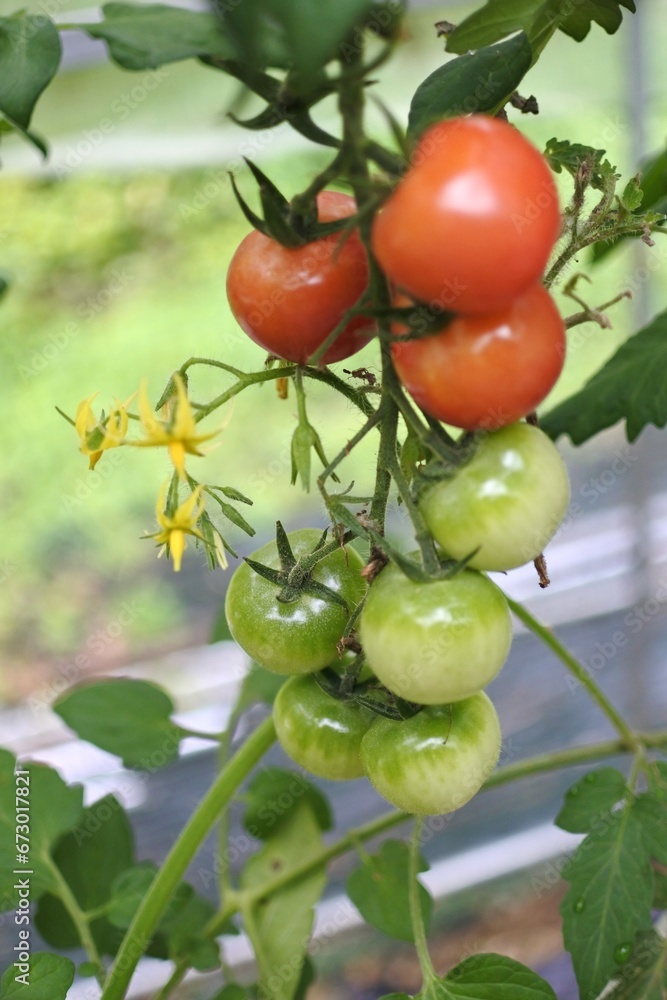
point(439, 251)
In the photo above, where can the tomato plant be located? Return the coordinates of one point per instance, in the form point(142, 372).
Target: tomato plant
point(507, 501)
point(300, 635)
point(319, 732)
point(473, 222)
point(437, 760)
point(489, 370)
point(289, 299)
point(442, 244)
point(438, 641)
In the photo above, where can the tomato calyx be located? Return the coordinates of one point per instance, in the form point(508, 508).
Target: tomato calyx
point(440, 467)
point(421, 320)
point(281, 221)
point(370, 694)
point(294, 577)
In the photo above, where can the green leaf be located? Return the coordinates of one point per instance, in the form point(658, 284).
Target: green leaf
point(493, 977)
point(179, 935)
point(479, 81)
point(127, 891)
point(592, 796)
point(380, 890)
point(30, 52)
point(48, 976)
point(644, 975)
point(308, 977)
point(609, 898)
point(273, 795)
point(292, 34)
point(606, 13)
point(316, 32)
point(659, 890)
point(653, 183)
point(570, 156)
point(652, 814)
point(538, 18)
point(125, 717)
point(632, 386)
point(145, 37)
point(280, 926)
point(633, 195)
point(54, 807)
point(232, 992)
point(183, 927)
point(89, 857)
point(657, 777)
point(496, 20)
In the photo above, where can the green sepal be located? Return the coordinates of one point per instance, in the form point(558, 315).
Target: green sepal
point(233, 494)
point(262, 84)
point(276, 209)
point(170, 389)
point(305, 126)
point(285, 553)
point(255, 220)
point(272, 575)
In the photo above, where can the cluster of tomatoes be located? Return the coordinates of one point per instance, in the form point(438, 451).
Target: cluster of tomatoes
point(434, 645)
point(464, 238)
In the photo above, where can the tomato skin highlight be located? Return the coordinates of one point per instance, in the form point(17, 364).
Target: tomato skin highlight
point(288, 300)
point(508, 500)
point(483, 372)
point(300, 637)
point(320, 733)
point(436, 761)
point(473, 222)
point(437, 642)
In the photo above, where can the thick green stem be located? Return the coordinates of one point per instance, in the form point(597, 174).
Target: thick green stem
point(577, 669)
point(172, 871)
point(225, 885)
point(387, 450)
point(416, 916)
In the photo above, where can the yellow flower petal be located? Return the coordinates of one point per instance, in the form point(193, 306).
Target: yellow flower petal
point(177, 455)
point(84, 422)
point(177, 547)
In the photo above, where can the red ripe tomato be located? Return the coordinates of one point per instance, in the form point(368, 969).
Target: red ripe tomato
point(473, 222)
point(482, 372)
point(288, 300)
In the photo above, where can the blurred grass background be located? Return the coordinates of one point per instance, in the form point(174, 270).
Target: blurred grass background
point(116, 253)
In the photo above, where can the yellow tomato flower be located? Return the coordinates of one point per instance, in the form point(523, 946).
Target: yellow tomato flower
point(178, 429)
point(179, 524)
point(98, 435)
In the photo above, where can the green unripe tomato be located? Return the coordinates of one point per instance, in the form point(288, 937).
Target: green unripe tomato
point(437, 642)
point(319, 732)
point(299, 637)
point(436, 761)
point(508, 501)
